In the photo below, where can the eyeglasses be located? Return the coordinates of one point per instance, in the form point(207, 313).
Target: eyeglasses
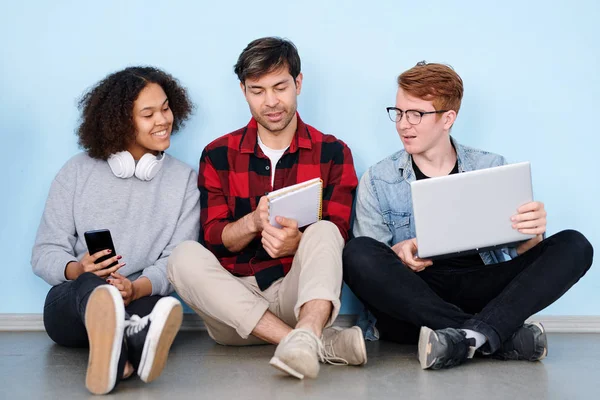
point(412, 116)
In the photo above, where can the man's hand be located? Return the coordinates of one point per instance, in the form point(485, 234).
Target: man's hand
point(237, 235)
point(281, 242)
point(260, 216)
point(406, 250)
point(124, 286)
point(530, 219)
point(87, 264)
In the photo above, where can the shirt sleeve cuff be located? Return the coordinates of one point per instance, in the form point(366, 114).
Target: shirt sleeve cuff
point(214, 235)
point(58, 275)
point(158, 279)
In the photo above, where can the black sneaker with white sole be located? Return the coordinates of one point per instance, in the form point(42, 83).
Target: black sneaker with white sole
point(529, 343)
point(149, 338)
point(444, 348)
point(104, 322)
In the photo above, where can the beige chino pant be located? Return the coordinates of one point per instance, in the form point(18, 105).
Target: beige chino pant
point(232, 306)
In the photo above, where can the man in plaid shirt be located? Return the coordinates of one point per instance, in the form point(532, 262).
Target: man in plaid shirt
point(256, 283)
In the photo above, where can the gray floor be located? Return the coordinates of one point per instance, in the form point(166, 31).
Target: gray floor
point(31, 366)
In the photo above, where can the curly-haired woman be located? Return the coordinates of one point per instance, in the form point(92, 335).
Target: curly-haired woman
point(124, 182)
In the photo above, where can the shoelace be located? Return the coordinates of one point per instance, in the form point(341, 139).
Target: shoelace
point(328, 355)
point(325, 355)
point(136, 324)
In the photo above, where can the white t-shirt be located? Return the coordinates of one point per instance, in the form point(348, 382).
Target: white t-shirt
point(274, 156)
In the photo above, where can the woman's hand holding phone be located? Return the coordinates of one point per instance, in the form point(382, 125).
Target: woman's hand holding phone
point(101, 269)
point(87, 264)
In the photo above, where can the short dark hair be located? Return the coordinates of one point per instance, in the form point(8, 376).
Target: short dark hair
point(107, 125)
point(265, 55)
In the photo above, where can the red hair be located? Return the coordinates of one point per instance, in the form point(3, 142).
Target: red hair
point(437, 83)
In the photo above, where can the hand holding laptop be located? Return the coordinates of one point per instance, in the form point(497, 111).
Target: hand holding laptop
point(407, 251)
point(530, 219)
point(471, 212)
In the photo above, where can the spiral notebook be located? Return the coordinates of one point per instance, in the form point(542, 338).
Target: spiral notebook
point(302, 202)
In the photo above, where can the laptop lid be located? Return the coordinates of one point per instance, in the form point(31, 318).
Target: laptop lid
point(470, 211)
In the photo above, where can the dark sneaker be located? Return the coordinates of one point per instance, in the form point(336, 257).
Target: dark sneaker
point(528, 343)
point(104, 322)
point(444, 348)
point(149, 339)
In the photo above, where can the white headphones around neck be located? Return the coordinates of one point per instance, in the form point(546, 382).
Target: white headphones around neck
point(123, 165)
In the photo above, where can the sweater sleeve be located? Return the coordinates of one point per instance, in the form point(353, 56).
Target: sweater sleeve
point(188, 228)
point(56, 235)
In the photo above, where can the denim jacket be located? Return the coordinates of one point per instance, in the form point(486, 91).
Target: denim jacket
point(384, 205)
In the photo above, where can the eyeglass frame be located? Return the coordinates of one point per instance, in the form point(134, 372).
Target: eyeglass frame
point(403, 112)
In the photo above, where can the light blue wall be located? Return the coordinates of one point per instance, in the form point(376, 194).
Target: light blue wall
point(531, 71)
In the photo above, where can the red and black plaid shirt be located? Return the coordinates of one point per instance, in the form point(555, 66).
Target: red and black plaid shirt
point(235, 173)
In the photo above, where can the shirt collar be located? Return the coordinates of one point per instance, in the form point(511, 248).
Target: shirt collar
point(301, 139)
point(404, 161)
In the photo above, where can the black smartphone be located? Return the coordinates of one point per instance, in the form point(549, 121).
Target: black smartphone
point(100, 240)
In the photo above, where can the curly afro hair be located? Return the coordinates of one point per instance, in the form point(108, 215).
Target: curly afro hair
point(107, 124)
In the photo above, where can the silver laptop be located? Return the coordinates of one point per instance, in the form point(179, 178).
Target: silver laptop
point(470, 212)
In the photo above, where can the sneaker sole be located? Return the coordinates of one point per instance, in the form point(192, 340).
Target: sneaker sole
point(104, 322)
point(162, 332)
point(280, 365)
point(544, 340)
point(427, 343)
point(362, 345)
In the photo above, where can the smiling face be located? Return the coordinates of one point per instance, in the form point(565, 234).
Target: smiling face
point(153, 120)
point(273, 99)
point(430, 133)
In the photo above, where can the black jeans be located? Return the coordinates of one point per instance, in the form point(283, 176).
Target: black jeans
point(64, 310)
point(494, 300)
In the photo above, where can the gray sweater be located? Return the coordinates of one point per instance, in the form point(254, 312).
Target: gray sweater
point(146, 219)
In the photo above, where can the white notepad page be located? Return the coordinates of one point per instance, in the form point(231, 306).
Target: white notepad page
point(301, 202)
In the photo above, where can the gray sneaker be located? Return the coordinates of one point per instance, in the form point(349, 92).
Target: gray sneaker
point(344, 346)
point(298, 354)
point(444, 348)
point(529, 343)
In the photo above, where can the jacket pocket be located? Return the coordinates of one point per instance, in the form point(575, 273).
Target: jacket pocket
point(398, 224)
